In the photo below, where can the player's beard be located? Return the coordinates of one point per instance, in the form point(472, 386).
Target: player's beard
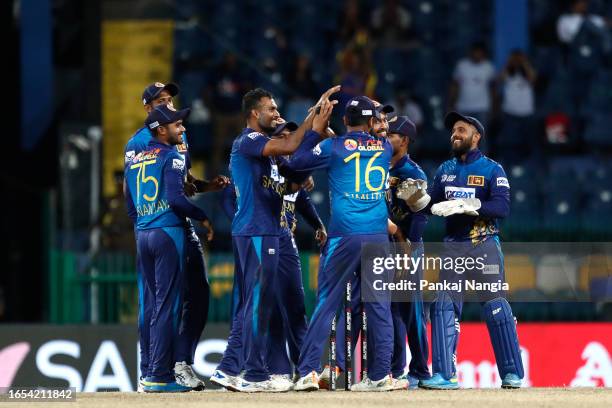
point(267, 128)
point(463, 148)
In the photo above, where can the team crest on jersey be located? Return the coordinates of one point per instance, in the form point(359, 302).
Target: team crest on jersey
point(371, 145)
point(129, 156)
point(477, 181)
point(350, 145)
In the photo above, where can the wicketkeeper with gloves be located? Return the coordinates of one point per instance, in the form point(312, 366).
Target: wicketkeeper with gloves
point(472, 192)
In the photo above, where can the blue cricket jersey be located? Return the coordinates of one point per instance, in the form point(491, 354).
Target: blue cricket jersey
point(476, 177)
point(411, 224)
point(357, 164)
point(258, 185)
point(140, 141)
point(154, 188)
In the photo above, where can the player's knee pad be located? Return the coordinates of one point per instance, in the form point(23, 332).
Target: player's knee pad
point(444, 336)
point(504, 338)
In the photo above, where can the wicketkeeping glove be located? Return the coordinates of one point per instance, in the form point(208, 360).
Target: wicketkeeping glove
point(468, 206)
point(414, 193)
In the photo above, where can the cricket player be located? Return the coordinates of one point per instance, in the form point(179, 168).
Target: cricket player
point(196, 290)
point(255, 234)
point(409, 317)
point(286, 334)
point(472, 192)
point(155, 193)
point(357, 164)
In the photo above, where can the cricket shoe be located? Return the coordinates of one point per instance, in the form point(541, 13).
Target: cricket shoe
point(310, 382)
point(224, 380)
point(282, 381)
point(511, 381)
point(185, 376)
point(413, 382)
point(270, 385)
point(324, 377)
point(437, 382)
point(163, 387)
point(400, 383)
point(369, 385)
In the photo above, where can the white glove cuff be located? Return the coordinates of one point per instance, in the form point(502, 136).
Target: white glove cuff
point(420, 203)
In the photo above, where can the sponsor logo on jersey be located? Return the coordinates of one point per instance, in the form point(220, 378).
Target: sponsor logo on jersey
point(475, 180)
point(350, 144)
point(370, 145)
point(129, 155)
point(178, 164)
point(502, 182)
point(254, 135)
point(448, 177)
point(146, 155)
point(454, 193)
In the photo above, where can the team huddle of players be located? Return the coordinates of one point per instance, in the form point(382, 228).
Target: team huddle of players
point(377, 193)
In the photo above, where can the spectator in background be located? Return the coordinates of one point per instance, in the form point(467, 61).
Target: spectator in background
point(351, 22)
point(391, 23)
point(473, 87)
point(586, 44)
point(224, 97)
point(570, 24)
point(117, 229)
point(517, 81)
point(301, 81)
point(303, 89)
point(406, 105)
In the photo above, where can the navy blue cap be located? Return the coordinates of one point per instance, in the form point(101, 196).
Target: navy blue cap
point(152, 91)
point(290, 126)
point(402, 125)
point(453, 117)
point(361, 107)
point(385, 108)
point(164, 114)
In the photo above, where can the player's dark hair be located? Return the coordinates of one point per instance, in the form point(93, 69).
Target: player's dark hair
point(251, 99)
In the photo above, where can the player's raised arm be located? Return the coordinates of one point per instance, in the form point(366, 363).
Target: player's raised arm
point(288, 145)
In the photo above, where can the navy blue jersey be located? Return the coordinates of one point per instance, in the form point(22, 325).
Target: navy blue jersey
point(259, 187)
point(477, 177)
point(357, 165)
point(301, 203)
point(411, 224)
point(140, 141)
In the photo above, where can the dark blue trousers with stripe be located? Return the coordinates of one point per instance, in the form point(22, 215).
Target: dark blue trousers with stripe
point(160, 263)
point(340, 262)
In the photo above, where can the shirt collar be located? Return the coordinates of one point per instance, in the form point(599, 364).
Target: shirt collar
point(471, 156)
